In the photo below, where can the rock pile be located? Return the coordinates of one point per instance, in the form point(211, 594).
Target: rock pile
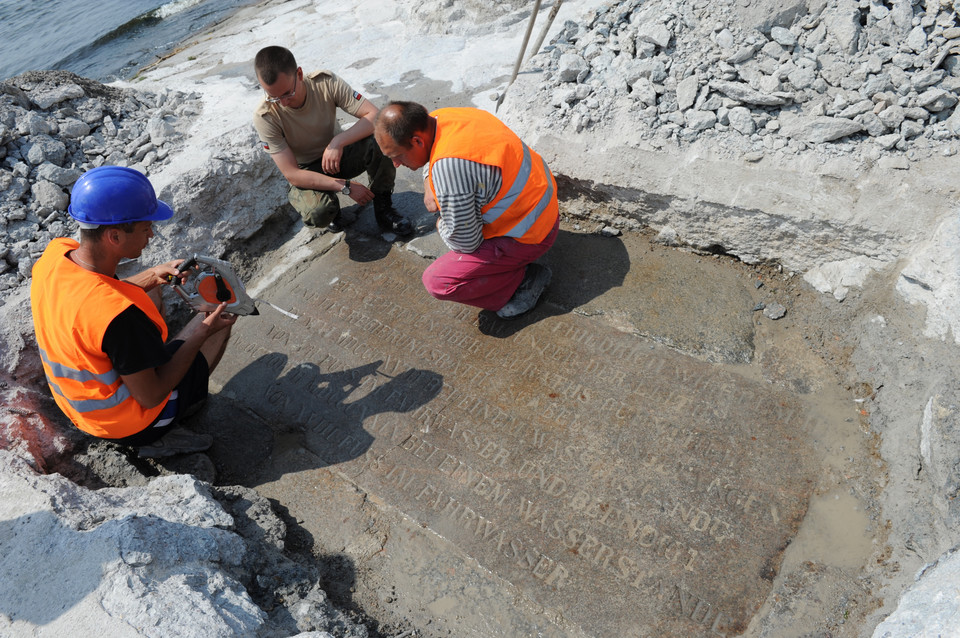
point(54, 126)
point(172, 558)
point(837, 76)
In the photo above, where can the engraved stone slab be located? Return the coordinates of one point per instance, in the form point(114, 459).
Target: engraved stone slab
point(627, 489)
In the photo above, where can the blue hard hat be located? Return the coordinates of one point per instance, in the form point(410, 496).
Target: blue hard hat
point(115, 195)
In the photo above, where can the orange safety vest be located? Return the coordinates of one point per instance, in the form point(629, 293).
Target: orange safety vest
point(526, 207)
point(72, 308)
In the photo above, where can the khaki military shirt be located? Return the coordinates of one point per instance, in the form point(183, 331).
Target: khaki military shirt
point(308, 129)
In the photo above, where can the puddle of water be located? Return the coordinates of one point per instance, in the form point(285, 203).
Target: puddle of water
point(836, 530)
point(834, 533)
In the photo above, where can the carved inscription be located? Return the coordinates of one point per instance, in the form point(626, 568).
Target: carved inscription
point(577, 462)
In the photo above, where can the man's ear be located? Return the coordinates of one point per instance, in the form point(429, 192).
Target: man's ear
point(112, 235)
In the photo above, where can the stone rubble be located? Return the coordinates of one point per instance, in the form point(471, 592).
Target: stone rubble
point(54, 126)
point(175, 557)
point(837, 76)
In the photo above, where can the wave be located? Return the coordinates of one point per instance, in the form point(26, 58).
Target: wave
point(146, 19)
point(142, 20)
point(138, 24)
point(173, 8)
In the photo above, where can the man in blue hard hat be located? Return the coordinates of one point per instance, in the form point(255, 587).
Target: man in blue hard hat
point(103, 340)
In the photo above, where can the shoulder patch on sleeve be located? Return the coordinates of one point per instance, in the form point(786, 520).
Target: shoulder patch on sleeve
point(265, 146)
point(357, 96)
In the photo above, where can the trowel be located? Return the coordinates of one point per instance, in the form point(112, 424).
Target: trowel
point(211, 282)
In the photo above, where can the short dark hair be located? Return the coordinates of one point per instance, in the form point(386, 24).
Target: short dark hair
point(272, 61)
point(95, 234)
point(402, 120)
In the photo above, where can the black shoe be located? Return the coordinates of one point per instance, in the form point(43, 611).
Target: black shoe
point(525, 297)
point(388, 219)
point(175, 442)
point(336, 225)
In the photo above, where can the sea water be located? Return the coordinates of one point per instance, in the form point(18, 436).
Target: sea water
point(101, 39)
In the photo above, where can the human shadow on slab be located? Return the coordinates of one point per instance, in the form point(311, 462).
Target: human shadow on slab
point(368, 242)
point(267, 410)
point(584, 267)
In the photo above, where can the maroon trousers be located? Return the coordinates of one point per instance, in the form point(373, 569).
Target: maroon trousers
point(487, 277)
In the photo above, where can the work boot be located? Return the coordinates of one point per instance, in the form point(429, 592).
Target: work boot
point(175, 442)
point(336, 224)
point(388, 219)
point(525, 297)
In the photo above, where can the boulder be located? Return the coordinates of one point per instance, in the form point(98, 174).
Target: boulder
point(925, 609)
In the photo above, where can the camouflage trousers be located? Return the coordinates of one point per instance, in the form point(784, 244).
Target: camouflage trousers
point(319, 208)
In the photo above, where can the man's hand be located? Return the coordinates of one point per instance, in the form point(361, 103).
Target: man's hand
point(360, 193)
point(157, 275)
point(152, 386)
point(429, 201)
point(331, 157)
point(216, 320)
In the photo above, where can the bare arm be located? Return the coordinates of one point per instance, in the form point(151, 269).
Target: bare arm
point(155, 276)
point(151, 386)
point(362, 128)
point(429, 199)
point(311, 180)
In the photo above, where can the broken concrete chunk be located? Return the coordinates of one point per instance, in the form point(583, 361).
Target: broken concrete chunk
point(888, 141)
point(725, 39)
point(741, 120)
point(926, 79)
point(910, 129)
point(783, 37)
point(570, 66)
point(843, 23)
point(872, 124)
point(742, 55)
point(818, 129)
point(936, 100)
point(49, 195)
point(745, 93)
point(46, 95)
point(700, 120)
point(687, 92)
point(656, 34)
point(917, 40)
point(892, 117)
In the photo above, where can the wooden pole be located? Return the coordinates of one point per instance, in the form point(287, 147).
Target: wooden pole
point(543, 33)
point(523, 48)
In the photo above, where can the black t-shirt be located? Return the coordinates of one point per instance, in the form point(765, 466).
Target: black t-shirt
point(133, 342)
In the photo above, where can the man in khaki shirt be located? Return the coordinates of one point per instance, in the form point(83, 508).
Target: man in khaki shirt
point(297, 125)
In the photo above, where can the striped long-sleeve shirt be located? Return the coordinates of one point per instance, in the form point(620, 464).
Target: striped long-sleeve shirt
point(462, 188)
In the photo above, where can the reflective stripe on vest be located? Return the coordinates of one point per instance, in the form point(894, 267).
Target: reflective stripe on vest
point(525, 208)
point(500, 207)
point(58, 371)
point(82, 376)
point(72, 309)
